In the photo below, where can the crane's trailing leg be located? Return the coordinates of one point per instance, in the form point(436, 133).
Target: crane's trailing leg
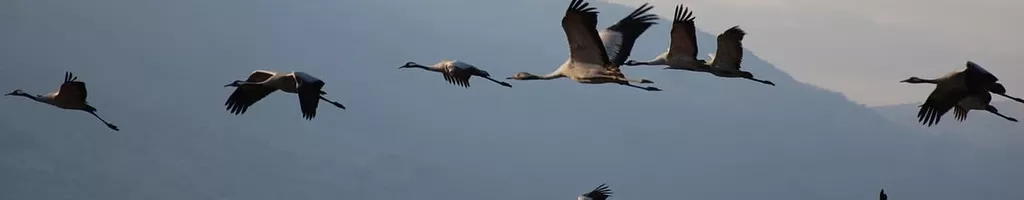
point(993, 110)
point(109, 125)
point(1011, 97)
point(761, 81)
point(620, 78)
point(639, 87)
point(336, 104)
point(496, 81)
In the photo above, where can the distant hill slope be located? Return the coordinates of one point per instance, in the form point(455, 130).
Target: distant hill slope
point(981, 127)
point(156, 69)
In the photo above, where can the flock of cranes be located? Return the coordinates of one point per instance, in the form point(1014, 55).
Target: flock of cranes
point(595, 57)
point(602, 192)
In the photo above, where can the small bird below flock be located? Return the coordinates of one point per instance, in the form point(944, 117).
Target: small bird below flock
point(262, 82)
point(456, 72)
point(595, 57)
point(71, 95)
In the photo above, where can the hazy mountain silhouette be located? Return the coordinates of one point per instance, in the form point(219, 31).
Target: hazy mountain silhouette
point(155, 68)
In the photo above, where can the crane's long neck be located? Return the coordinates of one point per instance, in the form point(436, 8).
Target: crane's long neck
point(33, 97)
point(932, 81)
point(552, 75)
point(433, 69)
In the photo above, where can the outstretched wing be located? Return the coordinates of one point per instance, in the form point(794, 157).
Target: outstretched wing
point(729, 54)
point(940, 101)
point(960, 113)
point(457, 72)
point(619, 38)
point(972, 100)
point(683, 35)
point(458, 77)
point(259, 76)
point(309, 93)
point(978, 77)
point(245, 96)
point(72, 90)
point(580, 26)
point(600, 193)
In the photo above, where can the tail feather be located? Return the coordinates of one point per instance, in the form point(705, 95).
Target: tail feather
point(89, 108)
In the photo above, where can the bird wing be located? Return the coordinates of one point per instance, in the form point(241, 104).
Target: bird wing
point(600, 193)
point(309, 100)
point(580, 26)
point(309, 93)
point(729, 54)
point(960, 113)
point(941, 100)
point(245, 96)
point(683, 35)
point(458, 77)
point(619, 38)
point(302, 78)
point(456, 73)
point(978, 77)
point(260, 76)
point(71, 90)
point(460, 65)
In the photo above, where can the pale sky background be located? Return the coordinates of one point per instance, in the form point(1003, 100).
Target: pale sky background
point(862, 48)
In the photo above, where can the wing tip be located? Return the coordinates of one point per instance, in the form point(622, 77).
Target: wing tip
point(581, 6)
point(683, 14)
point(737, 30)
point(602, 191)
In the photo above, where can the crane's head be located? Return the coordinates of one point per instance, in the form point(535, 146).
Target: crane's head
point(914, 80)
point(16, 92)
point(523, 76)
point(235, 83)
point(409, 65)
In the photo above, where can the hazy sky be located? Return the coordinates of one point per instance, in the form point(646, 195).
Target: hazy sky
point(863, 48)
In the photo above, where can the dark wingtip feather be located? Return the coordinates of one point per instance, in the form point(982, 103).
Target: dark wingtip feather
point(602, 191)
point(683, 14)
point(581, 6)
point(734, 33)
point(736, 30)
